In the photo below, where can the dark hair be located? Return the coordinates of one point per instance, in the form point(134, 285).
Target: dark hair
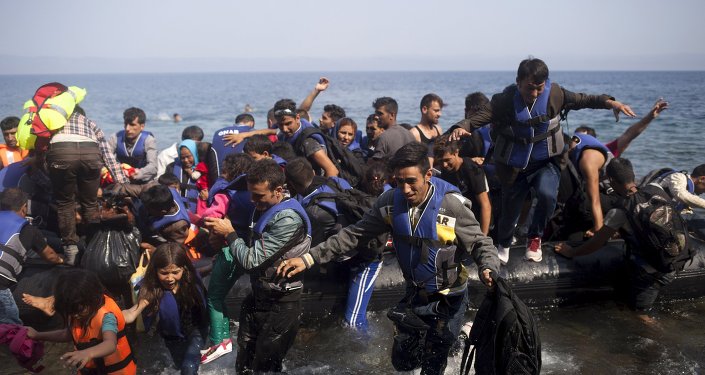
point(202, 148)
point(75, 292)
point(390, 105)
point(620, 171)
point(345, 121)
point(303, 114)
point(286, 105)
point(430, 98)
point(236, 164)
point(190, 286)
point(533, 68)
point(9, 122)
point(443, 144)
point(266, 170)
point(270, 115)
point(157, 198)
point(586, 129)
point(78, 109)
point(245, 118)
point(299, 171)
point(192, 132)
point(371, 118)
point(284, 150)
point(475, 101)
point(699, 171)
point(168, 179)
point(412, 154)
point(12, 199)
point(258, 144)
point(406, 125)
point(133, 112)
point(375, 177)
point(334, 111)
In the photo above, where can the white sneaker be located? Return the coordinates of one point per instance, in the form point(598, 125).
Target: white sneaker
point(217, 351)
point(533, 250)
point(503, 254)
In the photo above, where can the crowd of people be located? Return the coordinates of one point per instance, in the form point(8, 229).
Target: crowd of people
point(293, 198)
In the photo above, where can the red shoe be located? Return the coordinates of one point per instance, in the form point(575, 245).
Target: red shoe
point(533, 250)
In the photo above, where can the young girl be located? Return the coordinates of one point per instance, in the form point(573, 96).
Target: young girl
point(172, 294)
point(95, 324)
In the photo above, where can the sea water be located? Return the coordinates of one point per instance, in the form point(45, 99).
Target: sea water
point(603, 338)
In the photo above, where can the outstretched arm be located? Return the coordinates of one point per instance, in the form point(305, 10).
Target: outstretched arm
point(234, 139)
point(321, 86)
point(636, 129)
point(595, 243)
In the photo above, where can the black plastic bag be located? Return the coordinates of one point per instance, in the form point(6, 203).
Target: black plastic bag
point(113, 255)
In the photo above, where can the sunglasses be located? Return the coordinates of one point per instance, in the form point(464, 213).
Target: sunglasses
point(284, 112)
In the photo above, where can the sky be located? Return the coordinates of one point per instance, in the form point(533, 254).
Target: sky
point(144, 36)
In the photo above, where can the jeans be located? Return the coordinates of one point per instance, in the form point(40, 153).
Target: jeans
point(9, 313)
point(362, 284)
point(186, 352)
point(645, 286)
point(429, 350)
point(544, 182)
point(74, 171)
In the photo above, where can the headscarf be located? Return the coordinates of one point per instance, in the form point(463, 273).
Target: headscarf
point(190, 144)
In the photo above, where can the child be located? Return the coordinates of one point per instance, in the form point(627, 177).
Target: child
point(95, 324)
point(173, 294)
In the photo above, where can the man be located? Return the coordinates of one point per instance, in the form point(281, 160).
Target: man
point(526, 126)
point(394, 136)
point(167, 155)
point(17, 239)
point(313, 147)
point(331, 114)
point(269, 319)
point(373, 132)
point(244, 122)
point(680, 186)
point(619, 145)
point(430, 221)
point(647, 270)
point(10, 152)
point(136, 147)
point(467, 176)
point(427, 130)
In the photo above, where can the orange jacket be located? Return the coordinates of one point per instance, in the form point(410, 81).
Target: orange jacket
point(120, 362)
point(11, 155)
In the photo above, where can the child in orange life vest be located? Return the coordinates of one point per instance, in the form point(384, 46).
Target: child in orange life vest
point(10, 152)
point(95, 325)
point(172, 292)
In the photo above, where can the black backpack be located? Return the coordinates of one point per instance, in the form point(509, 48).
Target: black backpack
point(350, 167)
point(351, 205)
point(660, 233)
point(504, 336)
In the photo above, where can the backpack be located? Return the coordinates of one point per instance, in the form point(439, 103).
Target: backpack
point(504, 336)
point(654, 175)
point(350, 167)
point(660, 233)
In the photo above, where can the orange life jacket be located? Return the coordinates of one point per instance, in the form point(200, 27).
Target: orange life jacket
point(9, 156)
point(120, 362)
point(192, 253)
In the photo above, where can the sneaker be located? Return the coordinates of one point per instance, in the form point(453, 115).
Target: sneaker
point(217, 351)
point(533, 250)
point(70, 253)
point(503, 254)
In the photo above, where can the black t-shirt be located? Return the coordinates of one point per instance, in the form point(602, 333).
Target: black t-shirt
point(471, 181)
point(32, 238)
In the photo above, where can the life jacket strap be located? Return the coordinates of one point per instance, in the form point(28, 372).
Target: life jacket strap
point(530, 140)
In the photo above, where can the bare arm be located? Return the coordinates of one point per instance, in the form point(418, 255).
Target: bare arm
point(62, 335)
point(234, 139)
point(595, 243)
point(51, 256)
point(590, 163)
point(322, 160)
point(133, 312)
point(636, 129)
point(79, 358)
point(321, 86)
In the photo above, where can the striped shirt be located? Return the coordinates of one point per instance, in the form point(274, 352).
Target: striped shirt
point(80, 125)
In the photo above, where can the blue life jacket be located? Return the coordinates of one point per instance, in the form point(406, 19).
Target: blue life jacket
point(137, 157)
point(160, 222)
point(263, 279)
point(338, 184)
point(667, 172)
point(427, 257)
point(279, 160)
point(304, 125)
point(219, 147)
point(13, 254)
point(169, 322)
point(532, 135)
point(588, 142)
point(190, 197)
point(486, 139)
point(11, 175)
point(240, 207)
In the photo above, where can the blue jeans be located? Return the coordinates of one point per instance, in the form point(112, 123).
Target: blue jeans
point(544, 181)
point(9, 313)
point(186, 352)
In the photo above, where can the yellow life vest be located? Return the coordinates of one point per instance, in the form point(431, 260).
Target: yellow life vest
point(47, 112)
